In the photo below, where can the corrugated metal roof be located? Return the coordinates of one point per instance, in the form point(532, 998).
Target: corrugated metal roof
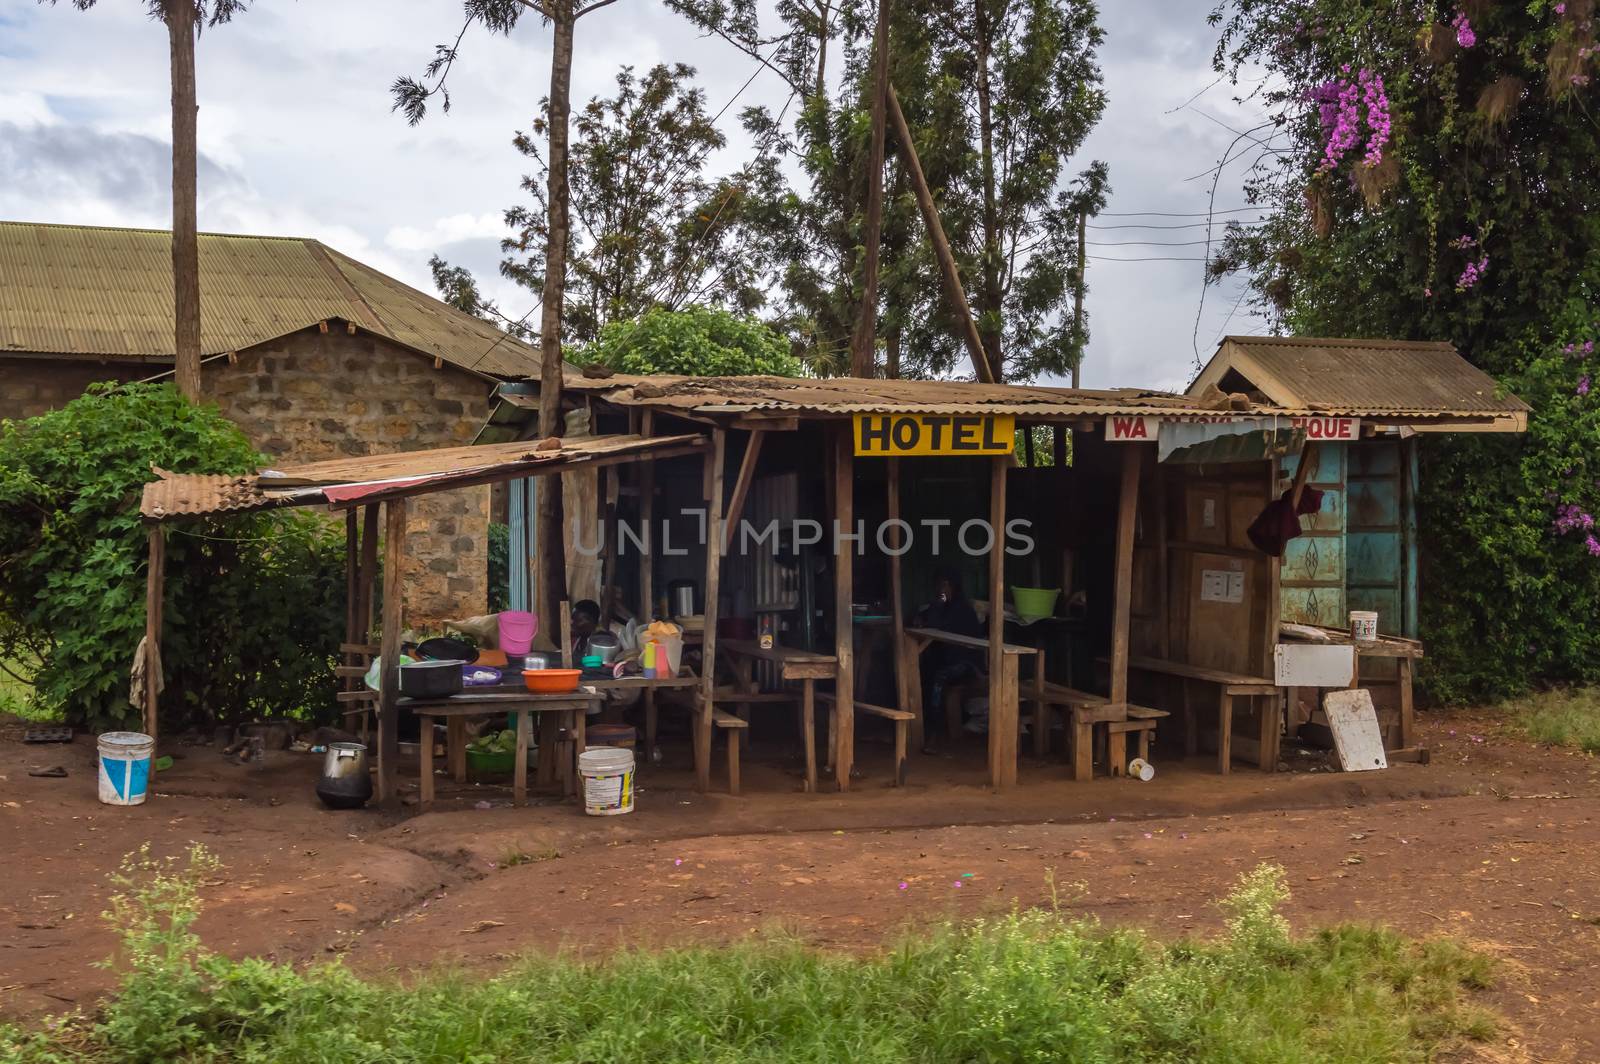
point(83, 291)
point(390, 475)
point(1360, 377)
point(845, 395)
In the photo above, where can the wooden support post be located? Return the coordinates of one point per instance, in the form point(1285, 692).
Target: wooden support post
point(1408, 713)
point(897, 615)
point(369, 571)
point(708, 650)
point(389, 674)
point(425, 760)
point(1122, 601)
point(1082, 747)
point(1270, 708)
point(741, 487)
point(808, 730)
point(1041, 709)
point(647, 516)
point(352, 567)
point(1002, 667)
point(941, 244)
point(154, 599)
point(1224, 732)
point(1058, 455)
point(843, 731)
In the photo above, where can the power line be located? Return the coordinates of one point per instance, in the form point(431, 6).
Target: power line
point(1148, 243)
point(1170, 214)
point(1190, 225)
point(1155, 258)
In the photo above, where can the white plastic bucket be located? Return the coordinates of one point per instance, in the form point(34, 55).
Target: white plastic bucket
point(1363, 626)
point(607, 781)
point(1141, 770)
point(125, 767)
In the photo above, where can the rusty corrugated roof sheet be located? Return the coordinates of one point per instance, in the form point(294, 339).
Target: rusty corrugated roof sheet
point(1360, 377)
point(85, 291)
point(846, 395)
point(390, 475)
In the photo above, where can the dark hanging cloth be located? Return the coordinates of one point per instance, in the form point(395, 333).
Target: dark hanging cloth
point(1279, 522)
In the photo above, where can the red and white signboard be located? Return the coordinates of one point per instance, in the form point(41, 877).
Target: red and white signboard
point(1120, 429)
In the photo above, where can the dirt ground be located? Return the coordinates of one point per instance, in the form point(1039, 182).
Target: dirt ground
point(1495, 842)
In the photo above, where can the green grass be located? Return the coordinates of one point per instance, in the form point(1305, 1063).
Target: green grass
point(1031, 986)
point(16, 695)
point(1567, 716)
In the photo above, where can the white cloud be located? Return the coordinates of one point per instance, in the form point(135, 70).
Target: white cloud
point(299, 139)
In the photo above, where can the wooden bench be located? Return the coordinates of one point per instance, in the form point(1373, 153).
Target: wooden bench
point(1229, 685)
point(1084, 710)
point(902, 726)
point(733, 725)
point(1141, 722)
point(1003, 717)
point(804, 667)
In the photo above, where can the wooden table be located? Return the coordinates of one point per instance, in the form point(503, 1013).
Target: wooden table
point(648, 684)
point(804, 666)
point(1229, 686)
point(1003, 718)
point(456, 708)
point(1404, 652)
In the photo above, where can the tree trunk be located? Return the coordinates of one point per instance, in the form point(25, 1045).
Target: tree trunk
point(552, 538)
point(863, 344)
point(891, 354)
point(941, 246)
point(180, 19)
point(823, 12)
point(989, 294)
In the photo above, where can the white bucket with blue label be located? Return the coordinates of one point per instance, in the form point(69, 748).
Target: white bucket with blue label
point(125, 759)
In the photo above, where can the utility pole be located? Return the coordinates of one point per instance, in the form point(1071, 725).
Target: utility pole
point(1077, 297)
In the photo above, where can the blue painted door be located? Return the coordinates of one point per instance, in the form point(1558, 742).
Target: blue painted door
point(1312, 576)
point(1379, 536)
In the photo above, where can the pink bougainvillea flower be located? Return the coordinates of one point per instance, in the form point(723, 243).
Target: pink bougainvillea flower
point(1583, 384)
point(1561, 9)
point(1463, 27)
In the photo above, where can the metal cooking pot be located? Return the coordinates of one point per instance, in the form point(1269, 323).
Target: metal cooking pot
point(605, 646)
point(535, 662)
point(345, 782)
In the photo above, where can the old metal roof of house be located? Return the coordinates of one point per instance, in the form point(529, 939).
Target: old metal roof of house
point(89, 292)
point(841, 396)
point(1371, 378)
point(384, 476)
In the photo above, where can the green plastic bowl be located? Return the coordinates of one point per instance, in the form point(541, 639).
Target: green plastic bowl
point(1035, 603)
point(489, 763)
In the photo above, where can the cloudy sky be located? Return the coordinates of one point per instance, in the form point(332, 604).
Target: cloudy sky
point(297, 139)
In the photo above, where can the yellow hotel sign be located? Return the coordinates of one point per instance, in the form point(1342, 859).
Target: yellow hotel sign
point(905, 435)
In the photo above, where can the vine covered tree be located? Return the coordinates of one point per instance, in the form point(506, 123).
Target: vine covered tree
point(184, 19)
point(1430, 173)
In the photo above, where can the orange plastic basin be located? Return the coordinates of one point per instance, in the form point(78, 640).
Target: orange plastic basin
point(552, 681)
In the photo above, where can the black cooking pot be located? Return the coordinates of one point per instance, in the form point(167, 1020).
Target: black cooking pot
point(430, 679)
point(345, 782)
point(443, 648)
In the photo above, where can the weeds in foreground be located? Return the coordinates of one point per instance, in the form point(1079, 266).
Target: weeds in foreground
point(513, 857)
point(1563, 716)
point(1029, 986)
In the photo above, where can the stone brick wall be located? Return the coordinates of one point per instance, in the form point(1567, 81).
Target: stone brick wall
point(32, 386)
point(311, 396)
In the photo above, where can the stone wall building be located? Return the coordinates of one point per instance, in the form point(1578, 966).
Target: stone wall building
point(312, 354)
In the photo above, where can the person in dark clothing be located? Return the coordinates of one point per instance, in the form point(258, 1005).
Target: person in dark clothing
point(585, 620)
point(943, 664)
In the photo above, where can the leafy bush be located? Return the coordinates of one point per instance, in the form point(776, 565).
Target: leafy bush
point(499, 567)
point(254, 603)
point(1025, 987)
point(696, 342)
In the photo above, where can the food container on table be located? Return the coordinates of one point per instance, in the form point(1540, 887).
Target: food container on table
point(606, 646)
point(430, 679)
point(534, 662)
point(444, 649)
point(551, 681)
point(479, 676)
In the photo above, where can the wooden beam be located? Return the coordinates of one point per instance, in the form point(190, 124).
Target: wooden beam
point(776, 423)
point(352, 566)
point(389, 674)
point(647, 512)
point(941, 244)
point(843, 731)
point(154, 599)
point(1122, 601)
point(902, 664)
point(708, 648)
point(366, 574)
point(741, 487)
point(1002, 680)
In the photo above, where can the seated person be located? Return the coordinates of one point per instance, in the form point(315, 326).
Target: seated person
point(944, 665)
point(585, 622)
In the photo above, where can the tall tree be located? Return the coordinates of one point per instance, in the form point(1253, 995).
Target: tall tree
point(411, 96)
point(1433, 177)
point(650, 228)
point(999, 94)
point(184, 20)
